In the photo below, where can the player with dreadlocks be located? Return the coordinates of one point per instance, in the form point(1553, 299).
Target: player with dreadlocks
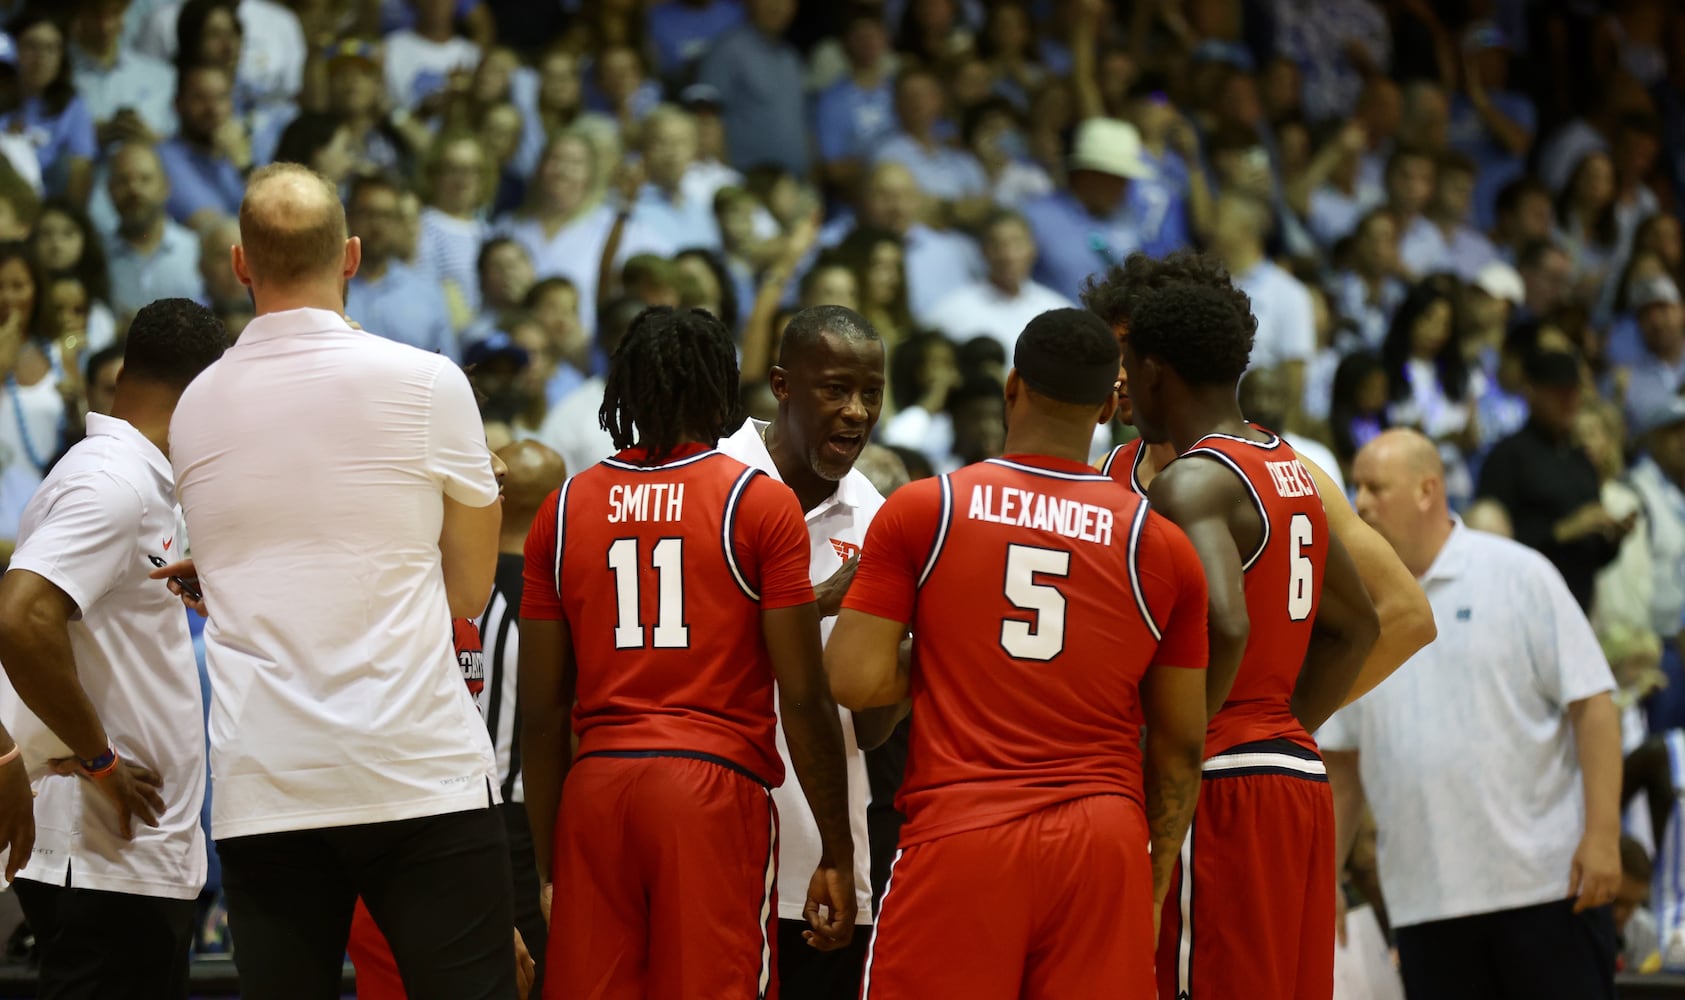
point(666, 589)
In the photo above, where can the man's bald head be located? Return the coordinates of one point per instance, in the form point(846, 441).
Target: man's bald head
point(1400, 482)
point(292, 226)
point(534, 473)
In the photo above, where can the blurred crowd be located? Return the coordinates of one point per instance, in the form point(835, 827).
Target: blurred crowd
point(1462, 216)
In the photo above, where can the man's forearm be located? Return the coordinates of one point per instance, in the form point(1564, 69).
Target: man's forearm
point(1172, 778)
point(1331, 667)
point(42, 669)
point(813, 731)
point(1597, 739)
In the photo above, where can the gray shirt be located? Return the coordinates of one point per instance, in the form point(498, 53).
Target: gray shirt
point(762, 86)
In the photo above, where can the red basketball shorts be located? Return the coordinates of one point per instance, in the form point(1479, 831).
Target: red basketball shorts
point(1057, 905)
point(665, 876)
point(377, 970)
point(1255, 918)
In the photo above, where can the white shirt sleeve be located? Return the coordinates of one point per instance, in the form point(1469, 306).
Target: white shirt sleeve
point(1567, 660)
point(457, 454)
point(87, 540)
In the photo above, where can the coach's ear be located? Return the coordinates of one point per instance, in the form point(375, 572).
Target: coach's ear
point(778, 379)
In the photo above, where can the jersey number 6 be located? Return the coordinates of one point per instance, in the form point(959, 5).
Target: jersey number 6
point(1299, 570)
point(1045, 638)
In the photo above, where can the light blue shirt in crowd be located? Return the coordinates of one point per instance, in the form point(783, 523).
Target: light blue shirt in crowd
point(1159, 204)
point(849, 121)
point(56, 138)
point(403, 306)
point(686, 222)
point(200, 181)
point(763, 86)
point(1427, 249)
point(1073, 244)
point(937, 262)
point(170, 271)
point(1495, 165)
point(134, 81)
point(943, 173)
point(681, 33)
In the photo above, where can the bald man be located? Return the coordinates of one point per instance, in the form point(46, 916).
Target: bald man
point(1492, 762)
point(342, 504)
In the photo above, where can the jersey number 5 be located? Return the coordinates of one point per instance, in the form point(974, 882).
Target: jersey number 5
point(1044, 639)
point(667, 557)
point(1299, 570)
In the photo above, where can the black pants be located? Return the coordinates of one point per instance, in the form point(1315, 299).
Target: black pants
point(523, 867)
point(1543, 952)
point(806, 973)
point(437, 886)
point(108, 945)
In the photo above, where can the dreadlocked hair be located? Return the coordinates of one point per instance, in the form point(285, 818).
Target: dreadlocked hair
point(673, 376)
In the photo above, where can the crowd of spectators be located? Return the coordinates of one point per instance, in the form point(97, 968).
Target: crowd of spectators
point(1461, 216)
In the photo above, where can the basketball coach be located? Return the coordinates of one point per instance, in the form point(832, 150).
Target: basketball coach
point(342, 508)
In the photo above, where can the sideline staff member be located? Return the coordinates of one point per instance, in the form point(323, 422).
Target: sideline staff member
point(341, 502)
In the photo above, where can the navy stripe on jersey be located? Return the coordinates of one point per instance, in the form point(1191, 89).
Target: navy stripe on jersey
point(561, 528)
point(1257, 501)
point(947, 488)
point(1111, 459)
point(727, 524)
point(1075, 477)
point(1135, 527)
point(663, 467)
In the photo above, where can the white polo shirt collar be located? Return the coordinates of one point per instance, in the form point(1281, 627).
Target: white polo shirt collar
point(853, 490)
point(100, 425)
point(1452, 561)
point(292, 322)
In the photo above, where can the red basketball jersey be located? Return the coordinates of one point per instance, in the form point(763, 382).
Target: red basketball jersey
point(662, 573)
point(1039, 593)
point(1283, 585)
point(1123, 464)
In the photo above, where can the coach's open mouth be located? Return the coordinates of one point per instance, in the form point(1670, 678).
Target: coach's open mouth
point(846, 443)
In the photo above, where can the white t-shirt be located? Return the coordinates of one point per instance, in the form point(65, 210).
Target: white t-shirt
point(835, 529)
point(1467, 755)
point(417, 67)
point(106, 509)
point(572, 430)
point(1286, 318)
point(313, 462)
point(982, 309)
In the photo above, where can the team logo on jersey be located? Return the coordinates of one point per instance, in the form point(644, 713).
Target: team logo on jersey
point(168, 542)
point(1464, 614)
point(845, 550)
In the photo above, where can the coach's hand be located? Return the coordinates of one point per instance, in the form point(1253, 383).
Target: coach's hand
point(526, 970)
point(830, 594)
point(184, 570)
point(131, 788)
point(17, 816)
point(1596, 874)
point(831, 908)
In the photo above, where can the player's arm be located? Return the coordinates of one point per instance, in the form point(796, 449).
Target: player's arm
point(874, 726)
point(1345, 630)
point(547, 677)
point(1406, 618)
point(1345, 783)
point(1173, 706)
point(865, 662)
point(1198, 496)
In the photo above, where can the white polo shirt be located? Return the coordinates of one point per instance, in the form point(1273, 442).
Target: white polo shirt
point(313, 462)
point(983, 310)
point(1467, 755)
point(836, 529)
point(105, 508)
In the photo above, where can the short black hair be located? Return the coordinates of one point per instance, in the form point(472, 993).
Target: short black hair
point(544, 286)
point(100, 358)
point(1114, 295)
point(308, 134)
point(171, 341)
point(979, 114)
point(1534, 252)
point(1068, 356)
point(806, 327)
point(673, 376)
point(1197, 331)
point(978, 353)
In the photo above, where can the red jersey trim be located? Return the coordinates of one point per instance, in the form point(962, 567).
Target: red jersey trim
point(1134, 465)
point(1139, 522)
point(728, 529)
point(664, 466)
point(947, 515)
point(1257, 501)
point(561, 528)
point(1273, 443)
point(1037, 470)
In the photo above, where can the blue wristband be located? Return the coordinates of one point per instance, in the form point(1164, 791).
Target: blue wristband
point(97, 766)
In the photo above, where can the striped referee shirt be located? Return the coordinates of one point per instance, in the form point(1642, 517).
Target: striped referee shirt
point(500, 638)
